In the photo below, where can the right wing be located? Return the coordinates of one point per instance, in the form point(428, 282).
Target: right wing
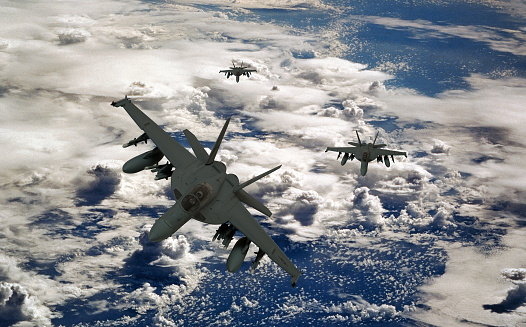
point(227, 71)
point(383, 152)
point(248, 225)
point(178, 156)
point(346, 149)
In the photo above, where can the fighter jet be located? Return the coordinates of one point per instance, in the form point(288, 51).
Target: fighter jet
point(205, 192)
point(237, 71)
point(366, 152)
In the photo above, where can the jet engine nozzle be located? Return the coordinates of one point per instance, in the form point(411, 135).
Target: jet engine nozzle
point(238, 254)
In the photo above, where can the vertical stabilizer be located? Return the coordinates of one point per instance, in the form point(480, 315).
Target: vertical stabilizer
point(213, 154)
point(357, 135)
point(375, 138)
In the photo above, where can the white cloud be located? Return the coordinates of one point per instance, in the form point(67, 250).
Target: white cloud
point(499, 39)
point(63, 140)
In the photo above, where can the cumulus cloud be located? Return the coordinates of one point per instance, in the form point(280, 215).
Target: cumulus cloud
point(16, 305)
point(360, 311)
point(72, 36)
point(516, 296)
point(440, 147)
point(167, 57)
point(166, 252)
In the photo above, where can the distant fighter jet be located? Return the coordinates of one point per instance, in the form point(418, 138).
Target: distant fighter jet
point(237, 71)
point(366, 152)
point(203, 191)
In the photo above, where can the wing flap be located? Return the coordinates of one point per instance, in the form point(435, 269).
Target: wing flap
point(173, 151)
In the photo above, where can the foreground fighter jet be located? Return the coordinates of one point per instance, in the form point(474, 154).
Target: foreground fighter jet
point(366, 152)
point(237, 71)
point(205, 192)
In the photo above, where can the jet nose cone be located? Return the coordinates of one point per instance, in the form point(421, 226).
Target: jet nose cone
point(159, 231)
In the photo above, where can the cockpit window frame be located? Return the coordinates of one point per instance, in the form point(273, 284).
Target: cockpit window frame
point(197, 197)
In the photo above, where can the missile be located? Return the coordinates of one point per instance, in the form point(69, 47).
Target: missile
point(139, 139)
point(259, 255)
point(229, 235)
point(237, 255)
point(220, 232)
point(345, 158)
point(351, 156)
point(386, 161)
point(339, 155)
point(164, 171)
point(143, 160)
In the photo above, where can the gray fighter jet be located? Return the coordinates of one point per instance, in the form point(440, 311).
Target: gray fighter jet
point(237, 71)
point(366, 152)
point(204, 191)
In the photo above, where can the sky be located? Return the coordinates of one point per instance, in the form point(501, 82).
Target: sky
point(71, 220)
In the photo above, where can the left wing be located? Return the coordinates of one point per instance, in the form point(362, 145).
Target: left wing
point(178, 156)
point(248, 225)
point(249, 70)
point(227, 71)
point(384, 152)
point(346, 149)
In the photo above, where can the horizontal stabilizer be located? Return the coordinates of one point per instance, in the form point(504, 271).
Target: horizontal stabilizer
point(198, 149)
point(354, 143)
point(249, 200)
point(217, 144)
point(379, 145)
point(258, 177)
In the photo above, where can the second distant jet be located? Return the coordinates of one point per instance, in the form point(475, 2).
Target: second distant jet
point(237, 71)
point(366, 152)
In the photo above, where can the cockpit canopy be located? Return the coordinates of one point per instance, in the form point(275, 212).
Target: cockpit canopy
point(198, 196)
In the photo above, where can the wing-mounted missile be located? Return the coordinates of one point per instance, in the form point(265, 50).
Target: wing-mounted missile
point(386, 161)
point(255, 263)
point(143, 138)
point(345, 158)
point(351, 156)
point(225, 232)
point(339, 155)
point(142, 161)
point(392, 158)
point(163, 171)
point(379, 159)
point(238, 254)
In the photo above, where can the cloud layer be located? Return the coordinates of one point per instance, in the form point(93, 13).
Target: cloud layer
point(436, 228)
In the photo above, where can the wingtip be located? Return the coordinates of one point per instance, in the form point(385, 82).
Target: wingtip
point(295, 279)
